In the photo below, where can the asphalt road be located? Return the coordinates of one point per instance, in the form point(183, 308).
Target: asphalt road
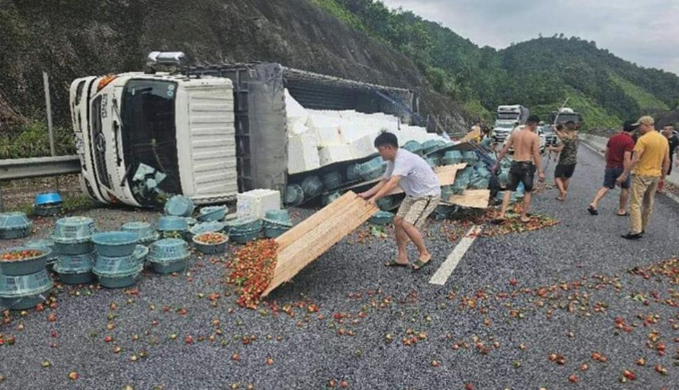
point(511, 302)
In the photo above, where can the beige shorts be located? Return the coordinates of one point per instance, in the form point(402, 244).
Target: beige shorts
point(416, 210)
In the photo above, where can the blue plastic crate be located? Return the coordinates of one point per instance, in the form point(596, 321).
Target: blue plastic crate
point(113, 266)
point(47, 198)
point(212, 213)
point(115, 244)
point(73, 230)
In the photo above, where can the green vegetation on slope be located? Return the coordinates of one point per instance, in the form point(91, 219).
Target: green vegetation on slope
point(539, 73)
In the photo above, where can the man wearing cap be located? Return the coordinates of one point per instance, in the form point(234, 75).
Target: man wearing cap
point(649, 165)
point(526, 144)
point(673, 139)
point(568, 158)
point(618, 157)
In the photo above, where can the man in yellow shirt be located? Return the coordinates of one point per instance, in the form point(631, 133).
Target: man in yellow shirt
point(650, 164)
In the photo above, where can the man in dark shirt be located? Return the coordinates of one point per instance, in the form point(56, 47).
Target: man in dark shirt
point(673, 139)
point(568, 158)
point(618, 156)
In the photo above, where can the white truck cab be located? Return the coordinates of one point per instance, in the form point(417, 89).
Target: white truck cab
point(128, 127)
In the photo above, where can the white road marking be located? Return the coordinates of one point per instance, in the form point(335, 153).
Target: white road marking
point(446, 269)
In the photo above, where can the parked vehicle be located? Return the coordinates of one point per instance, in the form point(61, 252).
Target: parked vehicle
point(507, 117)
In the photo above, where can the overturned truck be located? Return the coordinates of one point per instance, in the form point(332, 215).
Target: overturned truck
point(211, 132)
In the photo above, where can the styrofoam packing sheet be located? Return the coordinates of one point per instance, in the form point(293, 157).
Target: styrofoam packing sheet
point(335, 153)
point(303, 153)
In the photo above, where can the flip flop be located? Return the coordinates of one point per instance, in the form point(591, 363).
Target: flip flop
point(592, 210)
point(394, 263)
point(622, 215)
point(419, 264)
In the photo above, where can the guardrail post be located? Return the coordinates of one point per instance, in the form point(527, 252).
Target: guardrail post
point(2, 205)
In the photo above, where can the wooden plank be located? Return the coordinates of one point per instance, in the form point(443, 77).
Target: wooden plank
point(477, 199)
point(307, 241)
point(312, 222)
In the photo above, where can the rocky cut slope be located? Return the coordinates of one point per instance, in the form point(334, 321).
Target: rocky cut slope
point(72, 38)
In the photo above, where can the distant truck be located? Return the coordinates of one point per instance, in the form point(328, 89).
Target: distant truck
point(204, 132)
point(564, 115)
point(507, 117)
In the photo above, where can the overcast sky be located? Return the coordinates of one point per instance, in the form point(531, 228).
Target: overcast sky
point(642, 31)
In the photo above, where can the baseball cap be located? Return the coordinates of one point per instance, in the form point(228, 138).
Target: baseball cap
point(629, 126)
point(645, 120)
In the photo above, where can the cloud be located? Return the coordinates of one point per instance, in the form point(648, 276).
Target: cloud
point(644, 32)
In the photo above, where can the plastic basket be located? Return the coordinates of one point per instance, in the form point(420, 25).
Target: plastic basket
point(443, 212)
point(413, 147)
point(76, 279)
point(353, 172)
point(432, 145)
point(75, 264)
point(244, 236)
point(273, 229)
point(120, 280)
point(172, 224)
point(328, 199)
point(386, 203)
point(207, 227)
point(170, 266)
point(144, 231)
point(44, 244)
point(452, 157)
point(115, 244)
point(168, 250)
point(47, 198)
point(113, 266)
point(241, 225)
point(312, 187)
point(26, 266)
point(212, 213)
point(211, 249)
point(278, 216)
point(80, 248)
point(294, 195)
point(447, 192)
point(24, 285)
point(332, 180)
point(432, 161)
point(382, 218)
point(24, 303)
point(72, 230)
point(179, 206)
point(47, 210)
point(14, 225)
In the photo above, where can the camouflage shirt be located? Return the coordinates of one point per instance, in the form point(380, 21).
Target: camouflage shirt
point(569, 153)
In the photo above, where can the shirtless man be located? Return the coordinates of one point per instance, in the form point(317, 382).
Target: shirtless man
point(526, 144)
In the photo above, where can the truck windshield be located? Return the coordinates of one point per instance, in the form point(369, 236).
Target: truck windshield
point(149, 136)
point(507, 116)
point(563, 118)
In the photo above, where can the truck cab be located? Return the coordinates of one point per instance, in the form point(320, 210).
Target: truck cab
point(507, 118)
point(128, 127)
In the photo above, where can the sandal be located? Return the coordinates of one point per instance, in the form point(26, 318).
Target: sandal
point(622, 215)
point(592, 210)
point(419, 264)
point(394, 263)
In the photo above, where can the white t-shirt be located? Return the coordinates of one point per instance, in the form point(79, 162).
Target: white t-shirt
point(417, 177)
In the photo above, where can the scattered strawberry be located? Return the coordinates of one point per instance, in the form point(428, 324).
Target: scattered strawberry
point(435, 363)
point(73, 375)
point(661, 370)
point(188, 339)
point(269, 361)
point(235, 357)
point(573, 378)
point(641, 362)
point(629, 375)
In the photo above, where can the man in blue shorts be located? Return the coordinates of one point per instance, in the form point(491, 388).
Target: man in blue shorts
point(618, 157)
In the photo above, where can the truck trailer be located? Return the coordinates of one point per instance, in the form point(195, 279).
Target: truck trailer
point(209, 133)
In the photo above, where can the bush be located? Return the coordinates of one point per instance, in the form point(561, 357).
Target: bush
point(32, 140)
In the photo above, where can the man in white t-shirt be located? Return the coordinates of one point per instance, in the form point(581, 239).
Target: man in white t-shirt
point(423, 193)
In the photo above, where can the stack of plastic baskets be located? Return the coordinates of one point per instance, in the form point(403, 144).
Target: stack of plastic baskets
point(120, 271)
point(382, 218)
point(452, 157)
point(47, 204)
point(294, 195)
point(413, 147)
point(373, 169)
point(353, 172)
point(169, 255)
point(116, 264)
point(72, 238)
point(146, 234)
point(24, 282)
point(244, 230)
point(179, 206)
point(206, 227)
point(44, 244)
point(172, 226)
point(432, 145)
point(14, 225)
point(312, 187)
point(332, 180)
point(212, 213)
point(276, 223)
point(329, 198)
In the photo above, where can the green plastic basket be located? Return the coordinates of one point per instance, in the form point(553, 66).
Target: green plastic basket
point(114, 266)
point(179, 206)
point(25, 285)
point(294, 195)
point(211, 249)
point(73, 230)
point(76, 279)
point(27, 266)
point(382, 218)
point(120, 280)
point(312, 187)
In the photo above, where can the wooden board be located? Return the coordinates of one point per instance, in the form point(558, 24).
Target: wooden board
point(477, 199)
point(304, 243)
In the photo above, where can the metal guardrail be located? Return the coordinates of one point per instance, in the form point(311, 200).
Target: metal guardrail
point(28, 168)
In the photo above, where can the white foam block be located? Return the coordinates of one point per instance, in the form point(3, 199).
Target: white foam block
point(303, 153)
point(331, 154)
point(294, 111)
point(363, 147)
